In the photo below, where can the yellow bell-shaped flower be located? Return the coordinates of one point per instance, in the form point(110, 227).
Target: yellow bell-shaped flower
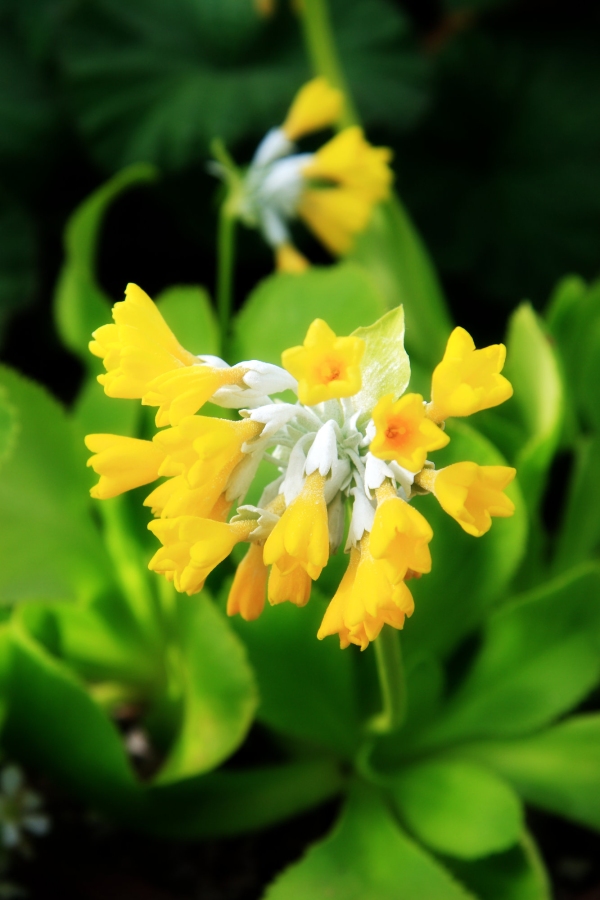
point(316, 105)
point(248, 591)
point(403, 432)
point(473, 494)
point(301, 536)
point(123, 463)
point(400, 535)
point(326, 366)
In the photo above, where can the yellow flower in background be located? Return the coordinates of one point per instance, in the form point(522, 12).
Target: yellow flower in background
point(472, 494)
point(326, 366)
point(342, 470)
point(403, 433)
point(467, 380)
point(332, 190)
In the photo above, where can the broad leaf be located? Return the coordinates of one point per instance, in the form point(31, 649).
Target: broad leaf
point(8, 427)
point(366, 857)
point(458, 808)
point(556, 769)
point(219, 693)
point(80, 305)
point(51, 547)
point(385, 366)
point(517, 874)
point(579, 534)
point(540, 656)
point(278, 312)
point(188, 312)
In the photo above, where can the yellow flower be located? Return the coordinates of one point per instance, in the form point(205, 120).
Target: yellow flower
point(326, 366)
point(247, 594)
point(293, 586)
point(288, 259)
point(139, 347)
point(176, 498)
point(122, 463)
point(403, 433)
point(350, 161)
point(301, 536)
point(193, 547)
point(467, 380)
point(400, 535)
point(316, 105)
point(181, 392)
point(471, 494)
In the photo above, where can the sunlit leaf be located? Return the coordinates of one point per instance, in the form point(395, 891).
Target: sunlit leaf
point(385, 366)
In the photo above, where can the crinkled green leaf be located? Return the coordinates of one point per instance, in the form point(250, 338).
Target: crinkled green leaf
point(80, 305)
point(516, 874)
point(189, 314)
point(556, 769)
point(392, 251)
point(51, 546)
point(366, 857)
point(385, 366)
point(278, 312)
point(292, 667)
point(458, 808)
point(219, 691)
point(540, 656)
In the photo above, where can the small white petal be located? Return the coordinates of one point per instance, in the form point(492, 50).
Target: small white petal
point(37, 824)
point(268, 378)
point(215, 361)
point(293, 481)
point(404, 478)
point(273, 145)
point(273, 417)
point(270, 492)
point(362, 517)
point(265, 520)
point(242, 476)
point(233, 397)
point(323, 452)
point(340, 477)
point(376, 471)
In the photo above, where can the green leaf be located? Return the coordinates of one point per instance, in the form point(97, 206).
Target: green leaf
point(517, 874)
point(393, 253)
point(458, 808)
point(366, 857)
point(189, 314)
point(540, 656)
point(534, 372)
point(556, 769)
point(80, 305)
point(579, 534)
point(8, 427)
point(219, 693)
point(385, 366)
point(95, 413)
point(278, 312)
point(51, 546)
point(468, 574)
point(17, 258)
point(292, 667)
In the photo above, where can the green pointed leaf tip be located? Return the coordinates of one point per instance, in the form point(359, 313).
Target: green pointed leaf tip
point(385, 366)
point(458, 808)
point(367, 857)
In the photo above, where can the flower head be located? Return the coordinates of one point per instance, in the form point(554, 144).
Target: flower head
point(348, 459)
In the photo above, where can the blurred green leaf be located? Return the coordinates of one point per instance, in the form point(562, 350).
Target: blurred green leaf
point(385, 366)
point(292, 667)
point(17, 258)
point(392, 251)
point(189, 314)
point(278, 312)
point(219, 692)
point(158, 81)
point(540, 656)
point(517, 874)
point(51, 547)
point(579, 535)
point(80, 305)
point(458, 808)
point(366, 857)
point(95, 413)
point(468, 574)
point(9, 427)
point(556, 769)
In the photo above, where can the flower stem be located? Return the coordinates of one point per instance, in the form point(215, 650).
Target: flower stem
point(225, 261)
point(318, 36)
point(390, 670)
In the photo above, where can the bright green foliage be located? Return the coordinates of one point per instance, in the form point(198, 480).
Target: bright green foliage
point(385, 366)
point(516, 874)
point(188, 312)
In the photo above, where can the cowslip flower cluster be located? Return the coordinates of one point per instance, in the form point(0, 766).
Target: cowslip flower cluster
point(332, 190)
point(348, 456)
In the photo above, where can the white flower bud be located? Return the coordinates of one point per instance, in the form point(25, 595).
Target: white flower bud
point(323, 452)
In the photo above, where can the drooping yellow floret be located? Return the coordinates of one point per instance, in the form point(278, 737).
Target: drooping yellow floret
point(472, 494)
point(350, 161)
point(403, 433)
point(176, 498)
point(335, 215)
point(301, 536)
point(122, 463)
point(139, 347)
point(288, 259)
point(193, 547)
point(294, 586)
point(248, 591)
point(467, 380)
point(316, 105)
point(400, 535)
point(326, 366)
point(182, 392)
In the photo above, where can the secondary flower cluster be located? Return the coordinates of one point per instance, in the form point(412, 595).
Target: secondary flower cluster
point(333, 190)
point(348, 457)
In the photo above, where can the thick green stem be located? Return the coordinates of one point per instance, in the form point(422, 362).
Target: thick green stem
point(225, 261)
point(318, 36)
point(390, 670)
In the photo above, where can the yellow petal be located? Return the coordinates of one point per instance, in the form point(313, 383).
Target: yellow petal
point(247, 593)
point(301, 536)
point(473, 494)
point(335, 215)
point(403, 433)
point(123, 463)
point(326, 366)
point(288, 259)
point(350, 161)
point(316, 105)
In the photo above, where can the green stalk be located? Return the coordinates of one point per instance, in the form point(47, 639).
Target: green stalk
point(390, 670)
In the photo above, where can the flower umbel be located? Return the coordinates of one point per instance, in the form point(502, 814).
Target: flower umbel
point(348, 459)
